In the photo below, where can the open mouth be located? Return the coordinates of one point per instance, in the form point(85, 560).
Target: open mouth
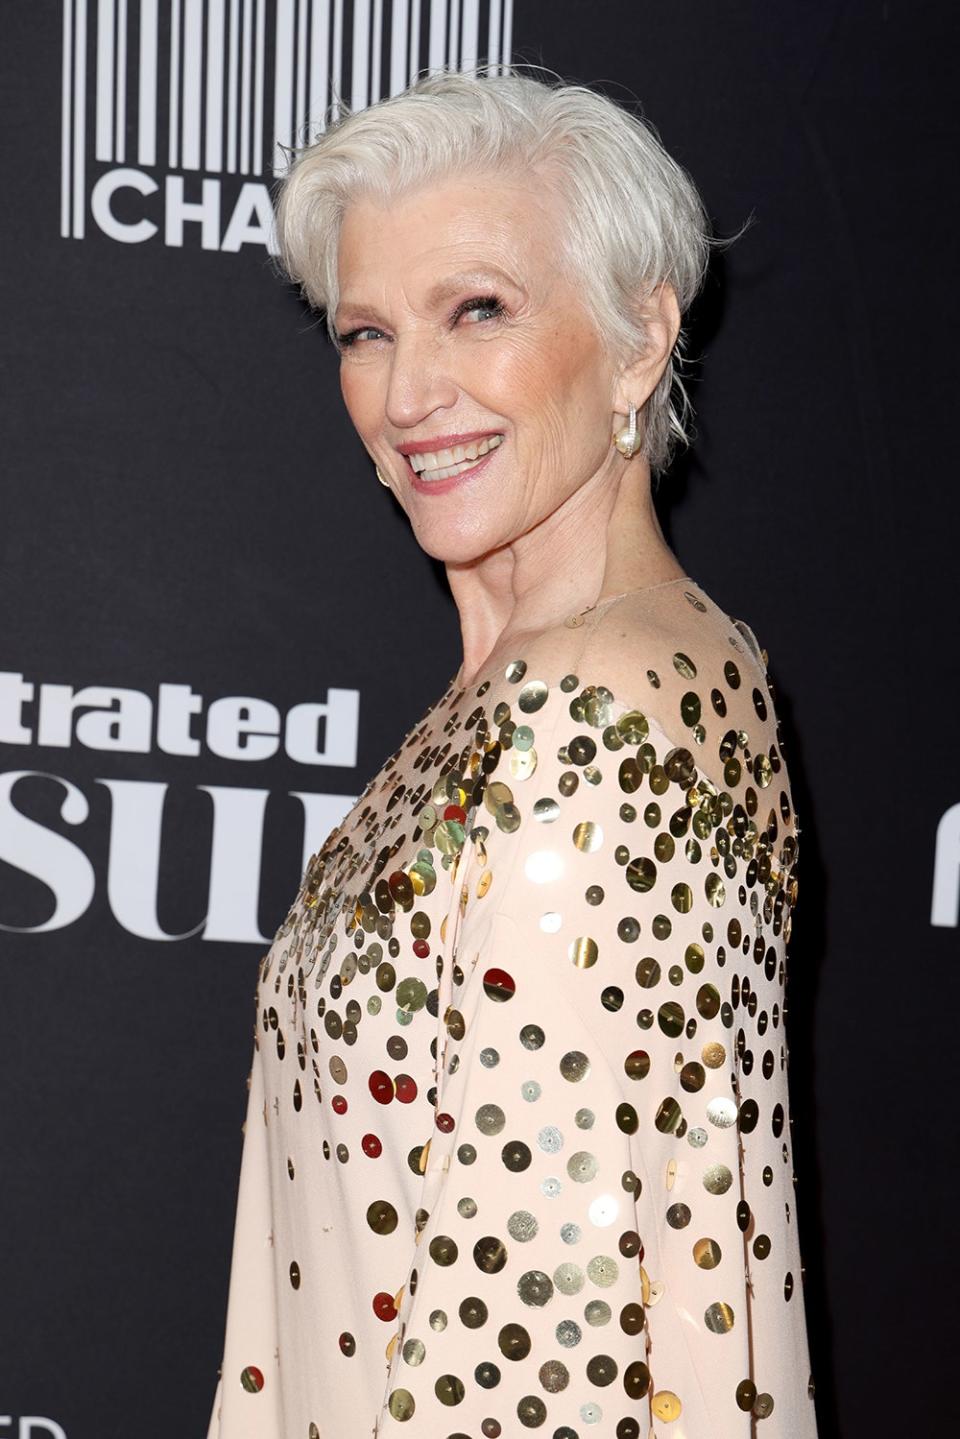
point(444, 464)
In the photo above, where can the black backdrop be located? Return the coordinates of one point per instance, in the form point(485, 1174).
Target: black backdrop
point(185, 505)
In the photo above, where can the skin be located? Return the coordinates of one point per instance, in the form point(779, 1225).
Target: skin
point(558, 519)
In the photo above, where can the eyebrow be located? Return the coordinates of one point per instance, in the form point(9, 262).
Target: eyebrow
point(465, 278)
point(443, 289)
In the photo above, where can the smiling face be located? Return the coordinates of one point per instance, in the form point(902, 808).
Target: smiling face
point(469, 365)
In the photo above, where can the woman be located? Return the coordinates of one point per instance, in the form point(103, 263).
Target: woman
point(517, 1153)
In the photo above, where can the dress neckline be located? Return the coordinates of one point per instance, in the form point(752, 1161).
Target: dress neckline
point(456, 685)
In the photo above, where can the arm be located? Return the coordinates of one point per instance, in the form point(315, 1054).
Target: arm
point(609, 1244)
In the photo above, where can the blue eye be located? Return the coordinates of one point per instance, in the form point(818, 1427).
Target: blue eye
point(345, 341)
point(480, 302)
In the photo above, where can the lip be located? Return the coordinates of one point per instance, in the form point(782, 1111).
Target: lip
point(440, 487)
point(443, 442)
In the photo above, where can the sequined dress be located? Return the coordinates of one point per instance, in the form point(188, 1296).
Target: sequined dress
point(517, 1153)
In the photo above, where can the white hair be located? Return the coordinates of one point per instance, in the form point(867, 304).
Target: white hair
point(634, 218)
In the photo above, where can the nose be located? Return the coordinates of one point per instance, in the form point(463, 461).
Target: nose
point(420, 381)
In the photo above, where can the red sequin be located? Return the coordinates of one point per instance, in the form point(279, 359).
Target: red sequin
point(381, 1086)
point(384, 1307)
point(499, 985)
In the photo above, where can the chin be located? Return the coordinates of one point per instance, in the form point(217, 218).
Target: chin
point(457, 544)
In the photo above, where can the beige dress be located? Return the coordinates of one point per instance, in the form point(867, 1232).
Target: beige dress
point(518, 1151)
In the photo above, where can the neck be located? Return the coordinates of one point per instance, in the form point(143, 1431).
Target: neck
point(605, 539)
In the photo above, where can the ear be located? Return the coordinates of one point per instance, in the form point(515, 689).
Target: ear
point(637, 378)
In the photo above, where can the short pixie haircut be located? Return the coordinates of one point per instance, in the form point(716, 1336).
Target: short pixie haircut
point(634, 218)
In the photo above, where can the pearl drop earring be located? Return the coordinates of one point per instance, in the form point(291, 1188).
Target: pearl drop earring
point(626, 438)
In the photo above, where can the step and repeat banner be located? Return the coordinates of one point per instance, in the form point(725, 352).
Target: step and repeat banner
point(205, 593)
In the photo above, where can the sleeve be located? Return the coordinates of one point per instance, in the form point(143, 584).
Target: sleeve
point(609, 1246)
point(246, 1403)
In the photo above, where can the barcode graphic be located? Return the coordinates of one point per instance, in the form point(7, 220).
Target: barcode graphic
point(218, 86)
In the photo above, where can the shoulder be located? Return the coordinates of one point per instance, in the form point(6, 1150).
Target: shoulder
point(664, 671)
point(669, 640)
point(697, 675)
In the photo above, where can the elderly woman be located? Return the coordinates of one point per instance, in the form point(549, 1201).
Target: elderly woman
point(518, 1152)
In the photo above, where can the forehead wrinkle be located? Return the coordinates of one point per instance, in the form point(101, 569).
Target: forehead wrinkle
point(458, 250)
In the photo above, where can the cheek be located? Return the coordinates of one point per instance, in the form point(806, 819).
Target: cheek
point(519, 380)
point(361, 391)
point(561, 392)
point(555, 375)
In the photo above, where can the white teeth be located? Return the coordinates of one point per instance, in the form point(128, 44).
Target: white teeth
point(443, 472)
point(439, 464)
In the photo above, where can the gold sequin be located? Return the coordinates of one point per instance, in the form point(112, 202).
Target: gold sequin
point(588, 836)
point(532, 697)
point(706, 1254)
point(583, 951)
point(718, 1318)
point(717, 1179)
point(666, 1405)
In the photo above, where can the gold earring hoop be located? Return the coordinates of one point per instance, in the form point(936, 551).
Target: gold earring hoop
point(380, 477)
point(626, 439)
